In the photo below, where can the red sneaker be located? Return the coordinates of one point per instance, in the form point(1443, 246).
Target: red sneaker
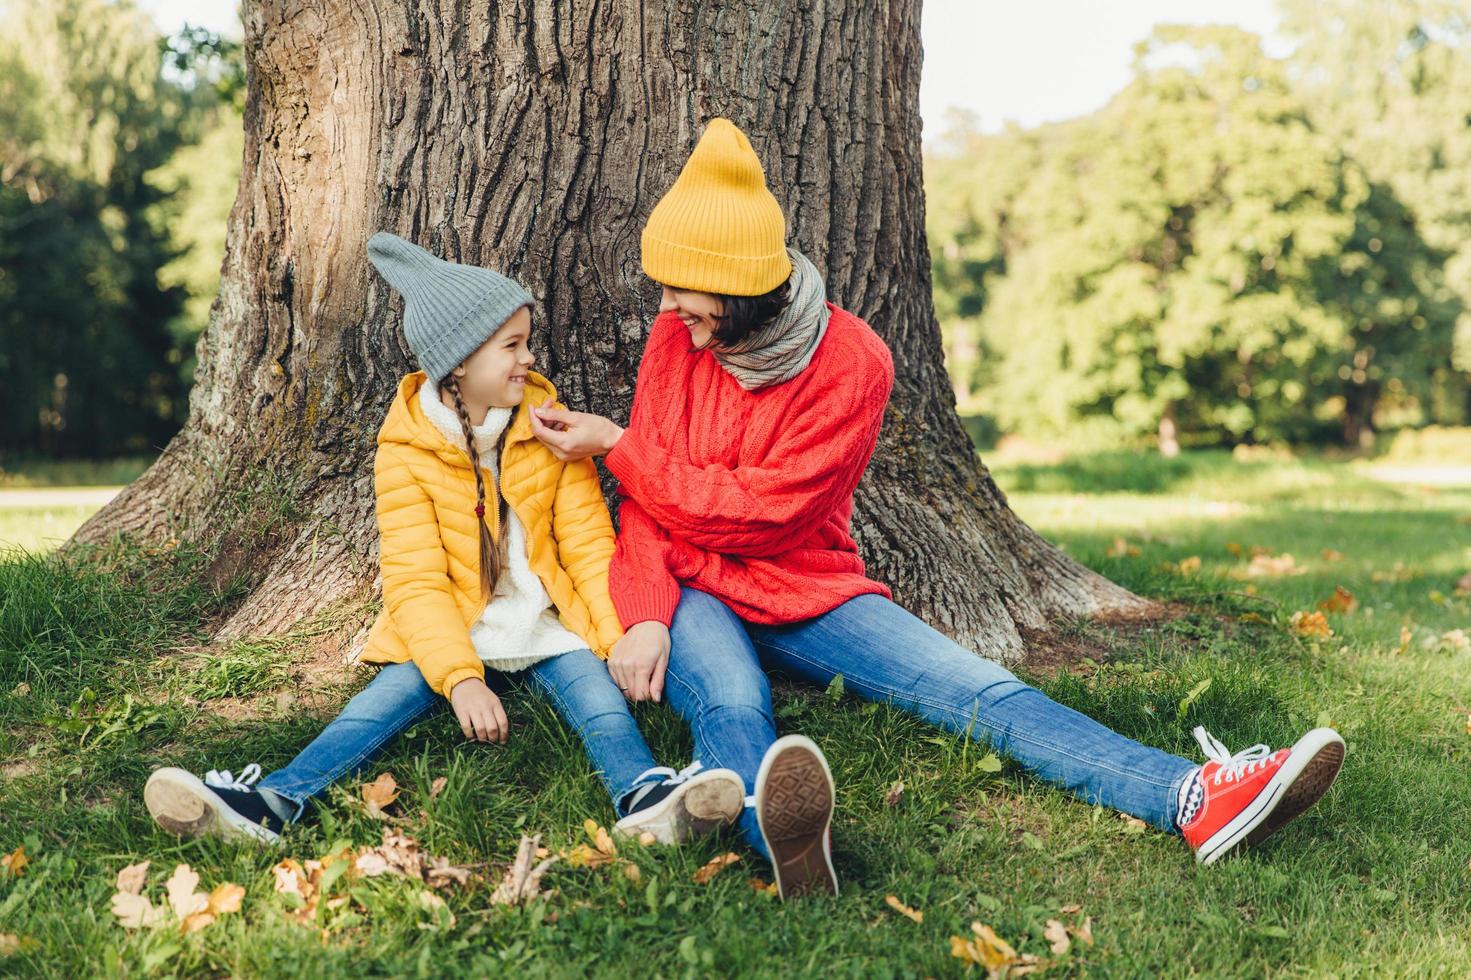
point(1245, 798)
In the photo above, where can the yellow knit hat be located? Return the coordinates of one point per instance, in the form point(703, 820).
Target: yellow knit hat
point(718, 230)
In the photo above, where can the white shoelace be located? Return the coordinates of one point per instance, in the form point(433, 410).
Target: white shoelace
point(1232, 767)
point(667, 777)
point(225, 779)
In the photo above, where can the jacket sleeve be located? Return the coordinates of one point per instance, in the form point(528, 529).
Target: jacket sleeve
point(584, 534)
point(416, 584)
point(760, 511)
point(643, 587)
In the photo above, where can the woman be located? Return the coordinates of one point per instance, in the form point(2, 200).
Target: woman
point(757, 407)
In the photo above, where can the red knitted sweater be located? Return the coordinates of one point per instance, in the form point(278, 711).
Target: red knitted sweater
point(746, 495)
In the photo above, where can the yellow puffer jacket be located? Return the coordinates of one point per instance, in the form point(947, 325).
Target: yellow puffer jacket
point(430, 548)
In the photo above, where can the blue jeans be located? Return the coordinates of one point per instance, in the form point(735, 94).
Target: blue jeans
point(717, 682)
point(577, 683)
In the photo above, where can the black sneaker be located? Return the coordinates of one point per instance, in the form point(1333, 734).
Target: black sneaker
point(219, 805)
point(683, 804)
point(794, 809)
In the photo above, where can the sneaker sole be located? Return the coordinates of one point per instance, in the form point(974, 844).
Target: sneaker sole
point(1308, 773)
point(706, 802)
point(794, 809)
point(181, 804)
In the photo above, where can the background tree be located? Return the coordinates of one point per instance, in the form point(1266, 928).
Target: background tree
point(535, 140)
point(1197, 258)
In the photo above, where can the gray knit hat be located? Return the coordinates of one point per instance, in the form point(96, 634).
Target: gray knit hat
point(449, 309)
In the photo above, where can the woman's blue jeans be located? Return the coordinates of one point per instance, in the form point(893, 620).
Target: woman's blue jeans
point(717, 682)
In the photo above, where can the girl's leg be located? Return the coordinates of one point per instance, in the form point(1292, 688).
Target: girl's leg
point(580, 687)
point(393, 701)
point(886, 654)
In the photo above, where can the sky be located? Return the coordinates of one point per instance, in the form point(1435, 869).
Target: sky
point(1028, 61)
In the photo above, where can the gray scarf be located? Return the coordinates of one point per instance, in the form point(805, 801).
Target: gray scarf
point(781, 350)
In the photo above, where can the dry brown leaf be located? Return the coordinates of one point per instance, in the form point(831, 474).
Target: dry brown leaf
point(1265, 564)
point(1084, 932)
point(895, 794)
point(647, 839)
point(631, 871)
point(1405, 636)
point(764, 887)
point(183, 898)
point(15, 862)
point(1133, 823)
point(1341, 601)
point(714, 866)
point(522, 882)
point(990, 951)
point(380, 794)
point(10, 943)
point(1071, 909)
point(226, 897)
point(132, 878)
point(1189, 565)
point(1328, 554)
point(1121, 548)
point(196, 922)
point(135, 911)
point(291, 878)
point(1457, 641)
point(892, 901)
point(1311, 625)
point(600, 838)
point(440, 873)
point(1056, 934)
point(437, 787)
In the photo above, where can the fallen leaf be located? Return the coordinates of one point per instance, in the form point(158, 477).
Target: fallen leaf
point(987, 949)
point(440, 873)
point(379, 794)
point(1056, 934)
point(912, 914)
point(714, 866)
point(631, 871)
point(1133, 823)
point(1341, 601)
point(437, 787)
point(291, 878)
point(895, 794)
point(225, 898)
point(1084, 932)
point(22, 689)
point(764, 887)
point(522, 882)
point(135, 911)
point(1312, 625)
point(132, 878)
point(1265, 564)
point(647, 839)
point(1328, 554)
point(1457, 641)
point(14, 863)
point(196, 922)
point(183, 898)
point(1190, 565)
point(10, 943)
point(1121, 548)
point(1405, 636)
point(1071, 909)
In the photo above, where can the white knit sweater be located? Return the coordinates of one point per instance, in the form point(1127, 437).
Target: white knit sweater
point(519, 627)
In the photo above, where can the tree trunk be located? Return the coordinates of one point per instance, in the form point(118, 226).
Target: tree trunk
point(534, 139)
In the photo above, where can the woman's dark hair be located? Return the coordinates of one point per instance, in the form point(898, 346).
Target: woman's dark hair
point(746, 315)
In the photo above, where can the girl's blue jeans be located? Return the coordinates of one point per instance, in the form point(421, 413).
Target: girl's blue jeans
point(717, 681)
point(577, 683)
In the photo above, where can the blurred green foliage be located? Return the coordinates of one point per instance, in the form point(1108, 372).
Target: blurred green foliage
point(1237, 248)
point(119, 152)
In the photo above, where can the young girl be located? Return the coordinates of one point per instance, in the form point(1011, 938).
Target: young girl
point(494, 554)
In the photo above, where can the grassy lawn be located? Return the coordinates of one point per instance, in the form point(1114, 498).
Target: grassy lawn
point(99, 684)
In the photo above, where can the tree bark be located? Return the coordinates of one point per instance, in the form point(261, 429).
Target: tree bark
point(534, 139)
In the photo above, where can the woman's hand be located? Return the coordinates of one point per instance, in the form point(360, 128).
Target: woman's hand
point(479, 711)
point(637, 662)
point(574, 435)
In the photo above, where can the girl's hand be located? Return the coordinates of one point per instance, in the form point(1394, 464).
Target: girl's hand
point(479, 711)
point(638, 661)
point(574, 435)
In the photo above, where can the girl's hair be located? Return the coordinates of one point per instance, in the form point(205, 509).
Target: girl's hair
point(492, 557)
point(745, 315)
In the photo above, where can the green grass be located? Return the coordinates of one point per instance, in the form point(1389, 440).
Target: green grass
point(24, 472)
point(1373, 881)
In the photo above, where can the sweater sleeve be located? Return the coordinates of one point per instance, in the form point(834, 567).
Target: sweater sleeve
point(643, 587)
point(584, 534)
point(416, 585)
point(759, 511)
